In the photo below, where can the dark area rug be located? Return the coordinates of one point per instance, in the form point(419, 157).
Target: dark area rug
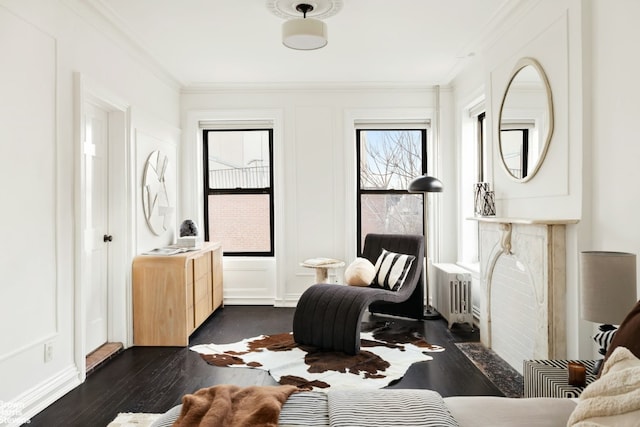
point(499, 372)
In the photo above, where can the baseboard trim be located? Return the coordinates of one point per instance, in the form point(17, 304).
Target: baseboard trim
point(36, 399)
point(286, 302)
point(290, 301)
point(249, 301)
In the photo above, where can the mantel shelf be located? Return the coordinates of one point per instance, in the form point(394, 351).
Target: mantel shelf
point(526, 221)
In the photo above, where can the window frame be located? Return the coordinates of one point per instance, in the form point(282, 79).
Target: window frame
point(480, 136)
point(524, 151)
point(481, 122)
point(240, 191)
point(360, 192)
point(473, 169)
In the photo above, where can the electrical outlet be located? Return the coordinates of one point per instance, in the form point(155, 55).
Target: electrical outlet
point(48, 352)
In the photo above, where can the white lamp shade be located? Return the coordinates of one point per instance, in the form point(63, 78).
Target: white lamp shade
point(304, 34)
point(608, 288)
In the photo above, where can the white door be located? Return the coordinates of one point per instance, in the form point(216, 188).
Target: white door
point(97, 237)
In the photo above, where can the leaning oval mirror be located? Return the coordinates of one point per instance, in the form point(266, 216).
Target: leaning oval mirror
point(525, 120)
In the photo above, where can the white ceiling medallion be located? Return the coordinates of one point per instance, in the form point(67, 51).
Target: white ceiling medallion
point(321, 8)
point(303, 29)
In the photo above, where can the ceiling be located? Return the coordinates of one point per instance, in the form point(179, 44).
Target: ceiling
point(205, 42)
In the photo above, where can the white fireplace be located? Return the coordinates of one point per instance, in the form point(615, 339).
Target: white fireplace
point(522, 301)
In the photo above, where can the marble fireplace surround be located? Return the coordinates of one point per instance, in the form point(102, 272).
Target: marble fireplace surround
point(538, 249)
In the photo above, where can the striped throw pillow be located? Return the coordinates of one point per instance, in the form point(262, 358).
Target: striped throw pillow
point(604, 337)
point(392, 269)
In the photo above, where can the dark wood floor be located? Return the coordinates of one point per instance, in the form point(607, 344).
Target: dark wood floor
point(154, 379)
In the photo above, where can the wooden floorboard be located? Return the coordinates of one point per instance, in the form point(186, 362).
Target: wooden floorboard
point(154, 379)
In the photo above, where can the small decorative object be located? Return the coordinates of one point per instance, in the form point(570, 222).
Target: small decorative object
point(479, 189)
point(189, 235)
point(155, 196)
point(577, 374)
point(489, 204)
point(484, 200)
point(360, 272)
point(188, 228)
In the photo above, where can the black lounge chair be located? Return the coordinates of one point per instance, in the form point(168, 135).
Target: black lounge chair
point(328, 316)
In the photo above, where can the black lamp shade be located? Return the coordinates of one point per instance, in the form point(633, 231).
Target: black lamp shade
point(425, 184)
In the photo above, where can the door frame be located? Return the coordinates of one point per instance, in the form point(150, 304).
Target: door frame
point(120, 217)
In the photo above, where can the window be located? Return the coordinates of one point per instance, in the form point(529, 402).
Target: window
point(473, 166)
point(388, 160)
point(238, 186)
point(514, 144)
point(480, 138)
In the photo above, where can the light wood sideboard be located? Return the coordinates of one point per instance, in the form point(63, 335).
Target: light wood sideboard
point(173, 295)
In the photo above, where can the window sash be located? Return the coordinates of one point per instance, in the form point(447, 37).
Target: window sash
point(232, 172)
point(241, 192)
point(363, 193)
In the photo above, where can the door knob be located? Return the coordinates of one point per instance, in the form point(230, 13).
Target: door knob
point(107, 238)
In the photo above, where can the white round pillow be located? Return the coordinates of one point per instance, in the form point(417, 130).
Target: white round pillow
point(360, 272)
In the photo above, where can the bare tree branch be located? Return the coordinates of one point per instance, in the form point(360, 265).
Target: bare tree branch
point(390, 160)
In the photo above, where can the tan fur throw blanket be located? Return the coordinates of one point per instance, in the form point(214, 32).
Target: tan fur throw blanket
point(230, 405)
point(613, 399)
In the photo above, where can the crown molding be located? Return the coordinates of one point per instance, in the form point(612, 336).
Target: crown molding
point(279, 87)
point(101, 17)
point(510, 12)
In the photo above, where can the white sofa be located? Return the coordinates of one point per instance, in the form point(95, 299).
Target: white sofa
point(611, 400)
point(412, 408)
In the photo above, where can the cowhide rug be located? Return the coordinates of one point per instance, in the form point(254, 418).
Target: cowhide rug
point(386, 352)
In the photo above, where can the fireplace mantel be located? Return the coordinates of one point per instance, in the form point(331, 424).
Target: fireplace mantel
point(528, 221)
point(506, 225)
point(537, 247)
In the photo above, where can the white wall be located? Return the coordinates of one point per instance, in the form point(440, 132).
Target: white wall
point(614, 133)
point(314, 165)
point(44, 44)
point(589, 170)
point(610, 170)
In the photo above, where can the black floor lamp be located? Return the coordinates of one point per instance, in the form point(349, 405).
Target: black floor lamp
point(426, 184)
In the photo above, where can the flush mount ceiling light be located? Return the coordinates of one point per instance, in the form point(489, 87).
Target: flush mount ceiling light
point(304, 33)
point(307, 32)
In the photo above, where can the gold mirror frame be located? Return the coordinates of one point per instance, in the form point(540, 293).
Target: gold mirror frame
point(523, 63)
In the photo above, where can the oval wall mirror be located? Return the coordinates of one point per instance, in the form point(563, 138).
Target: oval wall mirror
point(525, 122)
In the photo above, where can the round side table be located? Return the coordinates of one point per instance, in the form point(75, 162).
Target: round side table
point(322, 266)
